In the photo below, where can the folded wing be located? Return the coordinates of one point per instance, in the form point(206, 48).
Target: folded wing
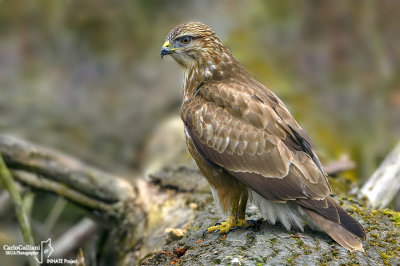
point(250, 134)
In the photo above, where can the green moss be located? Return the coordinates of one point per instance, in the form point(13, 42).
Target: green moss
point(194, 228)
point(325, 258)
point(251, 238)
point(393, 216)
point(385, 258)
point(217, 261)
point(303, 246)
point(299, 242)
point(352, 255)
point(292, 258)
point(374, 235)
point(317, 246)
point(352, 260)
point(340, 199)
point(391, 237)
point(372, 227)
point(273, 248)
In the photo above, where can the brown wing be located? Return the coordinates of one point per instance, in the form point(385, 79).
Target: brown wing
point(251, 135)
point(238, 129)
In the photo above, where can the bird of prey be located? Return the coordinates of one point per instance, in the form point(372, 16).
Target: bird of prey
point(247, 144)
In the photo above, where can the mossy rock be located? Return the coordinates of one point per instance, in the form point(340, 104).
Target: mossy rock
point(273, 245)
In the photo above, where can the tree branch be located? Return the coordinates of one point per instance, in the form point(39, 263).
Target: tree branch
point(20, 212)
point(383, 186)
point(138, 214)
point(52, 165)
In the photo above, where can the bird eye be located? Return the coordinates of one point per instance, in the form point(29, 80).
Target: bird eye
point(185, 40)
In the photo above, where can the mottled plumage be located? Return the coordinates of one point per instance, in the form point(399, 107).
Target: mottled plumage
point(247, 144)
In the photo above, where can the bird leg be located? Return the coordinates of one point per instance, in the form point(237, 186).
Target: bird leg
point(237, 217)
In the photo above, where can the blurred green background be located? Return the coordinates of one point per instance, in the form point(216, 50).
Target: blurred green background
point(86, 77)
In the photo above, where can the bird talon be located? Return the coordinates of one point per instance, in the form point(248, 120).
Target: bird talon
point(230, 224)
point(253, 224)
point(205, 232)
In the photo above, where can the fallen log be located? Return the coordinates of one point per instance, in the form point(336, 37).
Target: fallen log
point(161, 220)
point(384, 184)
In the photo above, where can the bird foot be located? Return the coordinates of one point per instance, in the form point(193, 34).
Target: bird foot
point(231, 222)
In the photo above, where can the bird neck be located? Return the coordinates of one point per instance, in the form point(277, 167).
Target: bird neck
point(210, 68)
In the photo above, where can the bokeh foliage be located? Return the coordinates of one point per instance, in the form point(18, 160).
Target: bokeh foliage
point(85, 76)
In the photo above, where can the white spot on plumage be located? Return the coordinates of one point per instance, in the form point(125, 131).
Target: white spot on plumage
point(187, 134)
point(253, 147)
point(288, 213)
point(245, 145)
point(207, 73)
point(235, 144)
point(219, 143)
point(225, 145)
point(209, 130)
point(216, 198)
point(185, 78)
point(226, 58)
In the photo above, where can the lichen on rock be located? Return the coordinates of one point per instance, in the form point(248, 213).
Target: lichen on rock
point(268, 244)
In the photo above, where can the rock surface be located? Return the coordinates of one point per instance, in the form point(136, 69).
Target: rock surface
point(267, 244)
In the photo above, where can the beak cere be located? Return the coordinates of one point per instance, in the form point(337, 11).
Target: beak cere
point(165, 49)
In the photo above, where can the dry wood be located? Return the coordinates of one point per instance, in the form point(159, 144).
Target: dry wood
point(131, 210)
point(138, 214)
point(383, 186)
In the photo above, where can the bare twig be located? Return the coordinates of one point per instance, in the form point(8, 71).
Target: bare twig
point(74, 237)
point(343, 164)
point(140, 212)
point(55, 213)
point(27, 200)
point(23, 221)
point(4, 201)
point(110, 198)
point(55, 166)
point(58, 188)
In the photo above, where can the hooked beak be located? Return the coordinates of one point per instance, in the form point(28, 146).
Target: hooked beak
point(165, 50)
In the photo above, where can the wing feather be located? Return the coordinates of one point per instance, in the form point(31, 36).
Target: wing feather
point(251, 151)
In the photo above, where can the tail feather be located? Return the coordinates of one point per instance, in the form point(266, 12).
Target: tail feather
point(335, 221)
point(338, 232)
point(350, 223)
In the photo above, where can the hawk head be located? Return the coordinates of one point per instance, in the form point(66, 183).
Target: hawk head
point(193, 44)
